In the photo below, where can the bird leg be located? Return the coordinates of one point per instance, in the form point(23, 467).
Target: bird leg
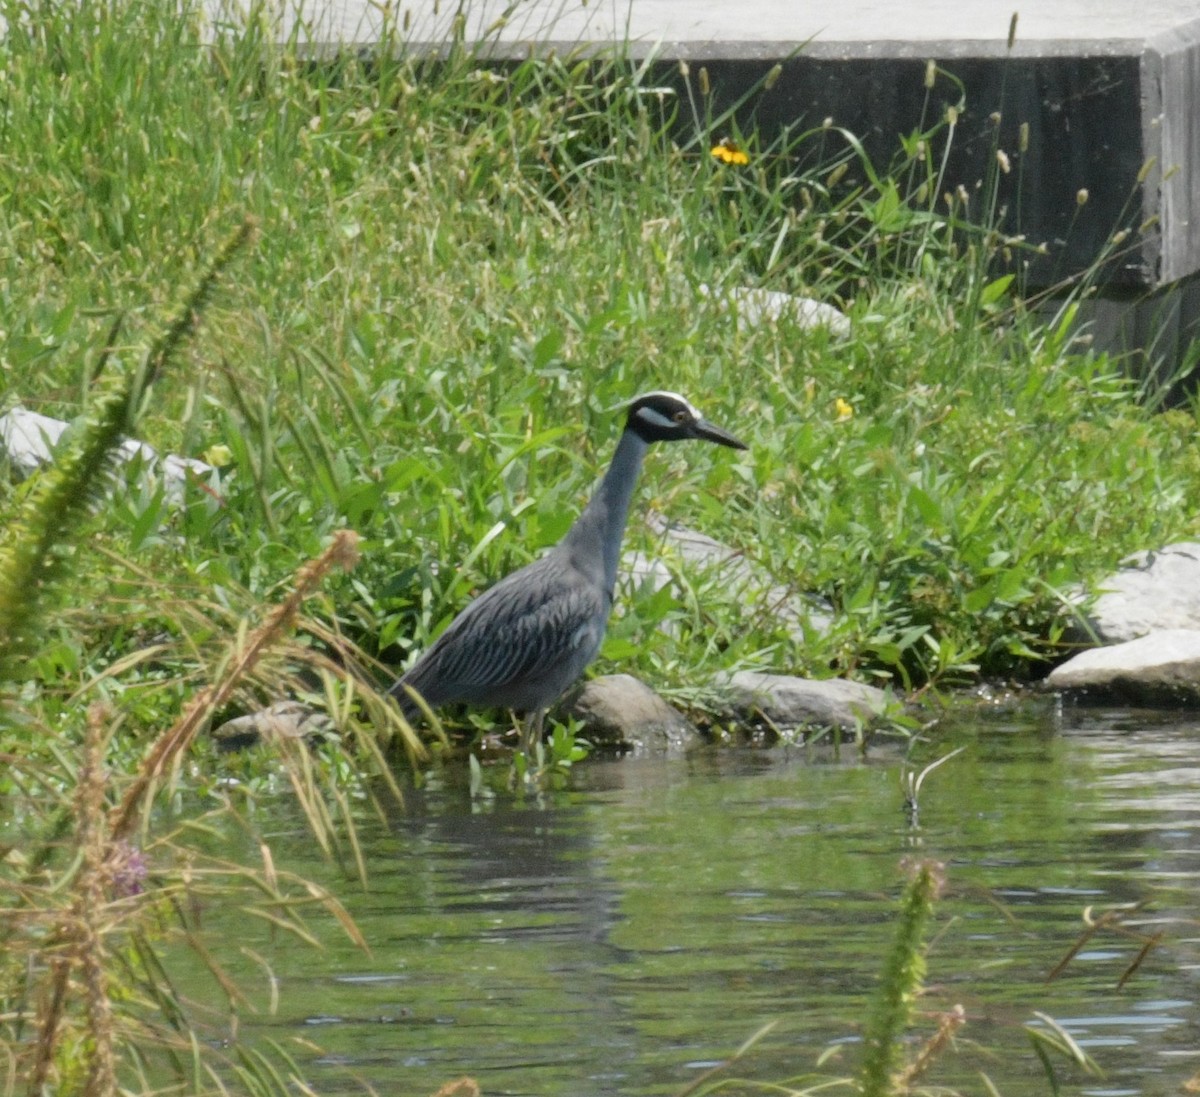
point(531, 732)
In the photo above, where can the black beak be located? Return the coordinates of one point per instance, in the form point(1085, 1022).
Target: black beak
point(710, 432)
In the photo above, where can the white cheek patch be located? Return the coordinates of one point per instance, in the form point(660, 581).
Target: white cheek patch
point(654, 418)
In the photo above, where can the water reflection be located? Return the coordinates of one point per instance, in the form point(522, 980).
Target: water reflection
point(510, 860)
point(622, 937)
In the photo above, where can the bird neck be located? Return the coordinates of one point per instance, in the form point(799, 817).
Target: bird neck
point(602, 523)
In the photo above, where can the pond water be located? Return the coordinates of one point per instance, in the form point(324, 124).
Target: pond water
point(626, 935)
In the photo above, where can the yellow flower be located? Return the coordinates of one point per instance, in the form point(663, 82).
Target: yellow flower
point(844, 410)
point(728, 153)
point(218, 455)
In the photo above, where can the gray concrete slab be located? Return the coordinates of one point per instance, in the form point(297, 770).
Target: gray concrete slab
point(721, 25)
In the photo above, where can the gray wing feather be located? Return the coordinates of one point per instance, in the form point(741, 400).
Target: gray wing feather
point(530, 625)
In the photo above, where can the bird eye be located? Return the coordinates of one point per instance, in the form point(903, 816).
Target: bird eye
point(681, 416)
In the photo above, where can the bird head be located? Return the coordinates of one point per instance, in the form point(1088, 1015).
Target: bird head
point(668, 417)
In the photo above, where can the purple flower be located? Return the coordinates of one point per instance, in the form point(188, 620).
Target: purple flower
point(128, 867)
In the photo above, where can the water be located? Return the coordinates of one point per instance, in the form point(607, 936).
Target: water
point(626, 936)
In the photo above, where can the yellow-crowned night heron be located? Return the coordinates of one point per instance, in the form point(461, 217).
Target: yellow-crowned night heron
point(521, 643)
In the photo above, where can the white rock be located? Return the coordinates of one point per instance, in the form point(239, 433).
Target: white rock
point(29, 440)
point(755, 306)
point(1161, 667)
point(1152, 590)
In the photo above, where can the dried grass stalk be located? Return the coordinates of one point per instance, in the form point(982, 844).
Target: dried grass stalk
point(342, 552)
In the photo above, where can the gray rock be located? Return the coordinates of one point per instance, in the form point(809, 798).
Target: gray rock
point(1161, 667)
point(787, 702)
point(755, 306)
point(282, 720)
point(1152, 590)
point(757, 595)
point(618, 710)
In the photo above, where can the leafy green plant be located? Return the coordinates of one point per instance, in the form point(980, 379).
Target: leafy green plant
point(552, 759)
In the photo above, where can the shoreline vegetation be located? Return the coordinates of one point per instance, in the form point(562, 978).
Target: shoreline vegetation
point(424, 289)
